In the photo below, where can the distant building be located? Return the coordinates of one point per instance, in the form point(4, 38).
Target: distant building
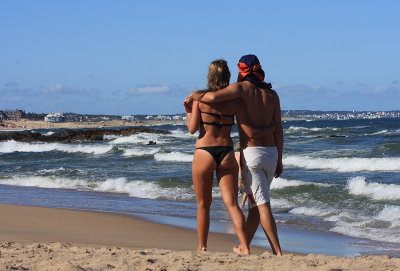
point(177, 117)
point(15, 115)
point(149, 117)
point(162, 117)
point(128, 118)
point(54, 117)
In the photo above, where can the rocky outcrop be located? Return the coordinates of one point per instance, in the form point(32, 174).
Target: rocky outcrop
point(68, 135)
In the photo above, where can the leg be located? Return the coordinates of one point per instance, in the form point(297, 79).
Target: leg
point(269, 226)
point(259, 172)
point(253, 220)
point(228, 184)
point(202, 173)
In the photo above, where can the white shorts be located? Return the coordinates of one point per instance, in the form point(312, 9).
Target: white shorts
point(259, 165)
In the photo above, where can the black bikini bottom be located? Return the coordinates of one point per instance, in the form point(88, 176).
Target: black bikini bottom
point(217, 152)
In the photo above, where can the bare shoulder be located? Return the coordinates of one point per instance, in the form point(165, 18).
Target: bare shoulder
point(272, 93)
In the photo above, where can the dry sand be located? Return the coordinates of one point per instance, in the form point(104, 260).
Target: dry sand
point(34, 238)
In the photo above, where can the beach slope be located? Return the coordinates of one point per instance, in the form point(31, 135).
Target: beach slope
point(35, 238)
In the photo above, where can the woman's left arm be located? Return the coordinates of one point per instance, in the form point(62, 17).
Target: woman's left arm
point(192, 117)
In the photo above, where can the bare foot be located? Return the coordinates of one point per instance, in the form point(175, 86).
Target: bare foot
point(203, 249)
point(241, 251)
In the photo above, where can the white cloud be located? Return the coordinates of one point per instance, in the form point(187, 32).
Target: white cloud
point(55, 88)
point(150, 90)
point(392, 88)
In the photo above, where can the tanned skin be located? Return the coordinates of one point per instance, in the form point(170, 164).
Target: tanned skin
point(263, 109)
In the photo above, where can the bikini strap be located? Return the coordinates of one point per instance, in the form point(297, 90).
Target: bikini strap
point(217, 115)
point(219, 125)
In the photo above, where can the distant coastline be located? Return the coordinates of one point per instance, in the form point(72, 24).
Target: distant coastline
point(40, 124)
point(31, 121)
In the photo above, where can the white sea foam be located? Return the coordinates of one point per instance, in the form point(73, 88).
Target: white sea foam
point(360, 231)
point(14, 146)
point(390, 213)
point(46, 182)
point(344, 164)
point(281, 203)
point(173, 157)
point(140, 151)
point(60, 169)
point(379, 132)
point(142, 138)
point(377, 191)
point(312, 211)
point(140, 189)
point(278, 183)
point(143, 189)
point(183, 134)
point(49, 133)
point(342, 216)
point(296, 129)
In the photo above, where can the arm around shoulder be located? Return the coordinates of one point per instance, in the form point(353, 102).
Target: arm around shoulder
point(231, 92)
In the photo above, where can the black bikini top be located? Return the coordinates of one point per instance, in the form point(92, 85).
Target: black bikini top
point(219, 116)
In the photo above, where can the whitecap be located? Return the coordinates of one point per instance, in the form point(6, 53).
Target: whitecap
point(140, 151)
point(142, 138)
point(359, 231)
point(14, 146)
point(173, 157)
point(144, 189)
point(138, 188)
point(344, 164)
point(312, 211)
point(377, 191)
point(390, 213)
point(279, 183)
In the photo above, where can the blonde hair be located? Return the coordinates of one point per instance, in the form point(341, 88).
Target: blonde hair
point(218, 75)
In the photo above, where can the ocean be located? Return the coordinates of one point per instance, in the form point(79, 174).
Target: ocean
point(339, 193)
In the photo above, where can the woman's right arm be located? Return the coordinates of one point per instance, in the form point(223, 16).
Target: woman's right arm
point(192, 116)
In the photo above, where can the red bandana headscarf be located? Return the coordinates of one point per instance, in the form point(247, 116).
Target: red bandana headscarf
point(250, 70)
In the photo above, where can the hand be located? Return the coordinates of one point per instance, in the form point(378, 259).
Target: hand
point(279, 169)
point(197, 95)
point(188, 105)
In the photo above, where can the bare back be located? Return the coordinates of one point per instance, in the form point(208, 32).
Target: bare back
point(261, 106)
point(214, 135)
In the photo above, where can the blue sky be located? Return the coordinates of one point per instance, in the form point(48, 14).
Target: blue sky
point(144, 57)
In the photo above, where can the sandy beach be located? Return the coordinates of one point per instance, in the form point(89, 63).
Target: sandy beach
point(35, 238)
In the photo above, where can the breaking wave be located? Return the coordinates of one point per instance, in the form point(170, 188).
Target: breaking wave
point(344, 164)
point(140, 152)
point(142, 138)
point(279, 183)
point(173, 157)
point(312, 211)
point(14, 146)
point(377, 191)
point(139, 189)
